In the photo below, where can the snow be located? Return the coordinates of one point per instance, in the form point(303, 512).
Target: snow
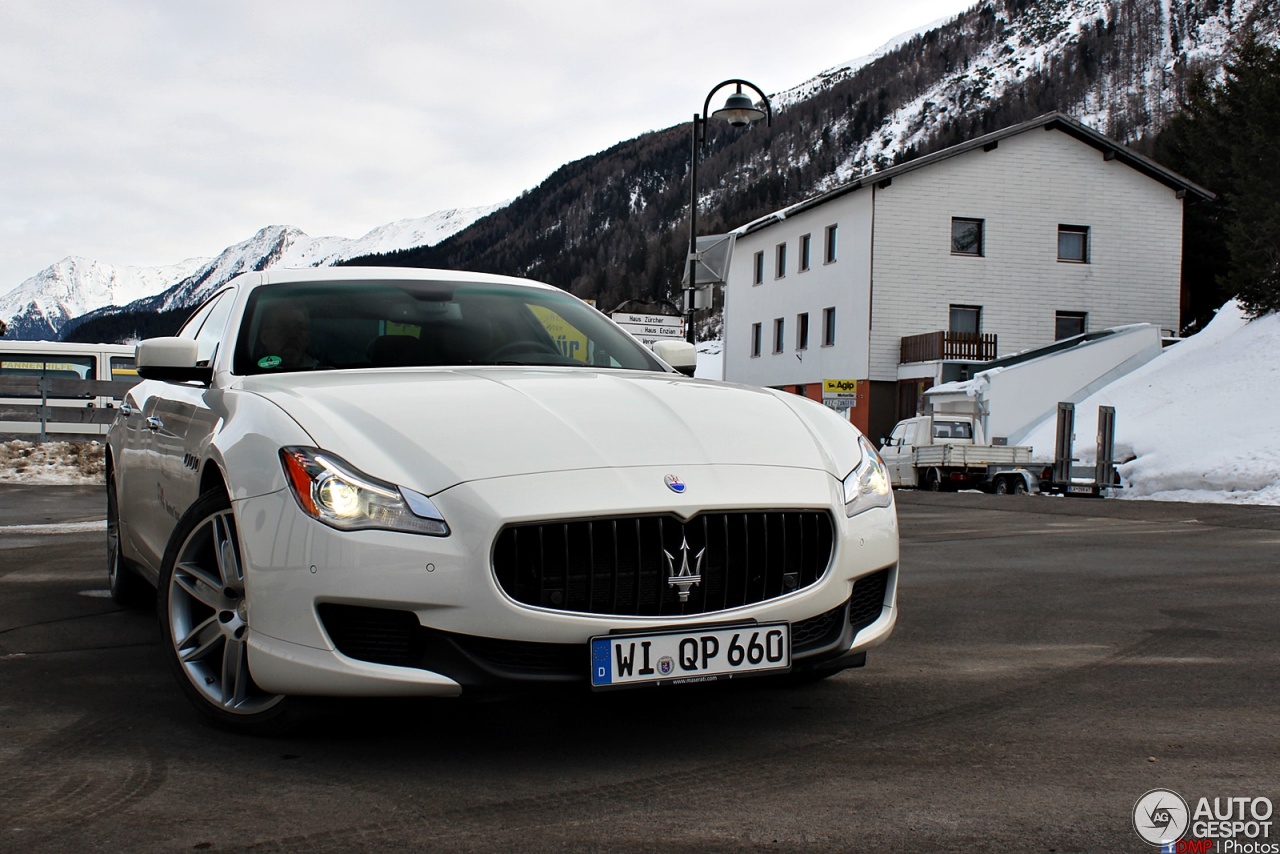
point(844, 70)
point(52, 463)
point(1197, 423)
point(710, 360)
point(75, 286)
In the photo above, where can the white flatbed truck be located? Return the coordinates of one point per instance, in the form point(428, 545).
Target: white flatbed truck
point(937, 452)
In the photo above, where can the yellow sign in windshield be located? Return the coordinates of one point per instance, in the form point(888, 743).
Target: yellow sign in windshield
point(571, 342)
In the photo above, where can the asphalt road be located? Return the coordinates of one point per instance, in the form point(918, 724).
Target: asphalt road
point(1054, 660)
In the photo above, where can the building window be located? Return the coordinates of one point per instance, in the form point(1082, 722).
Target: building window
point(966, 318)
point(802, 331)
point(758, 277)
point(777, 334)
point(806, 244)
point(780, 261)
point(755, 340)
point(829, 253)
point(966, 236)
point(828, 326)
point(1073, 243)
point(1067, 324)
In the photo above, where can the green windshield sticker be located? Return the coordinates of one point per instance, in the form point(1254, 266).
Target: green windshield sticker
point(269, 362)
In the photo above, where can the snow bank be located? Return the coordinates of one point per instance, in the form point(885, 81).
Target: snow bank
point(52, 462)
point(1200, 422)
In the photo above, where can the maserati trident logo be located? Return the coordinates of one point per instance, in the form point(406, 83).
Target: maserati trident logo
point(686, 578)
point(674, 483)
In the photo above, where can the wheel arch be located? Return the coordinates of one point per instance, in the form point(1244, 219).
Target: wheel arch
point(212, 477)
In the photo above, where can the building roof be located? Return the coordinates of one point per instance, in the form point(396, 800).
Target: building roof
point(1110, 149)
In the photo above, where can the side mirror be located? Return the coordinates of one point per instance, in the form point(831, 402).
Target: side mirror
point(885, 442)
point(680, 355)
point(171, 360)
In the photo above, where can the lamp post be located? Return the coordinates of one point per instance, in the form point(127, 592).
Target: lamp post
point(739, 111)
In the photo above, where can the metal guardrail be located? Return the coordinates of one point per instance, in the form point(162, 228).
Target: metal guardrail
point(75, 400)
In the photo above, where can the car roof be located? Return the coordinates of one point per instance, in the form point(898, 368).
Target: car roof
point(385, 274)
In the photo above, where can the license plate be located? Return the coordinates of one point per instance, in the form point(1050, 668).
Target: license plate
point(1080, 490)
point(690, 655)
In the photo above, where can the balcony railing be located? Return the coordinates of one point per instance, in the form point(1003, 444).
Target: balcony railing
point(935, 346)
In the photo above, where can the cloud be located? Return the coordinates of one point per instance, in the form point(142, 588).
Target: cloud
point(145, 132)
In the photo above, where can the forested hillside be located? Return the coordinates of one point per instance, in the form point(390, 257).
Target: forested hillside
point(613, 226)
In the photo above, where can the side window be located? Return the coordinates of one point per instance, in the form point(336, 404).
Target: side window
point(909, 438)
point(1073, 243)
point(966, 236)
point(208, 333)
point(192, 326)
point(1068, 324)
point(952, 430)
point(895, 438)
point(51, 366)
point(123, 368)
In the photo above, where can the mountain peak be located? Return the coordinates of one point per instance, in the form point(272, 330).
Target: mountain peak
point(40, 306)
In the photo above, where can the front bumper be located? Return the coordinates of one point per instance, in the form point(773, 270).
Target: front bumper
point(381, 613)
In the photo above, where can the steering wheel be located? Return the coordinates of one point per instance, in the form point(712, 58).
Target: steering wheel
point(512, 348)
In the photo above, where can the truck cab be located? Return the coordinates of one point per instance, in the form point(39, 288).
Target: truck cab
point(898, 448)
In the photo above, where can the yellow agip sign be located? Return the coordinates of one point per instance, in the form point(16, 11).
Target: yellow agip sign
point(839, 389)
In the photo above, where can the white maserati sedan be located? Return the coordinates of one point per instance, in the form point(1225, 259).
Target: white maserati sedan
point(396, 482)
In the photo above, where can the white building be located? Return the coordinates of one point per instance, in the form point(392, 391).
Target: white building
point(917, 274)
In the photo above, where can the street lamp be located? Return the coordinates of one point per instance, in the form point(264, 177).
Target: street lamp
point(739, 111)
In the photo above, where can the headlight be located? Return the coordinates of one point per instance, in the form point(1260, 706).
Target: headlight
point(332, 491)
point(867, 485)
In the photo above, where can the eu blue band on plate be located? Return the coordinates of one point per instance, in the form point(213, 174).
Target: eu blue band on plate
point(601, 665)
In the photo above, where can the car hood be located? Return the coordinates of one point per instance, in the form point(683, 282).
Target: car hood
point(432, 429)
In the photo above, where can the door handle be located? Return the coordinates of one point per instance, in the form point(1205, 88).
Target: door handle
point(154, 424)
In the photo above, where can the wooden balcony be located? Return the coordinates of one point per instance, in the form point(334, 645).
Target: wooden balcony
point(936, 346)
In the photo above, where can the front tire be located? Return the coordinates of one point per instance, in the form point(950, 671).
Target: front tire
point(204, 621)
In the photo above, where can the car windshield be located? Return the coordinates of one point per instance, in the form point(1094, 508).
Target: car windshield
point(383, 324)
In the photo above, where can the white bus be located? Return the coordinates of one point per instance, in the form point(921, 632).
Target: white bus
point(59, 360)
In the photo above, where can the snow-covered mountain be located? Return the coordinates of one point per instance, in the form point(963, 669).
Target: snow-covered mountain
point(41, 306)
point(1000, 47)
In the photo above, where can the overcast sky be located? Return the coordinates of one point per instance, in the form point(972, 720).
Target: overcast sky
point(143, 133)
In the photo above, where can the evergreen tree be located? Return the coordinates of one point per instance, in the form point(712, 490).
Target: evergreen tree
point(1227, 138)
point(1252, 92)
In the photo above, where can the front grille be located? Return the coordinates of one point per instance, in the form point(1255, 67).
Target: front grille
point(380, 635)
point(867, 601)
point(635, 566)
